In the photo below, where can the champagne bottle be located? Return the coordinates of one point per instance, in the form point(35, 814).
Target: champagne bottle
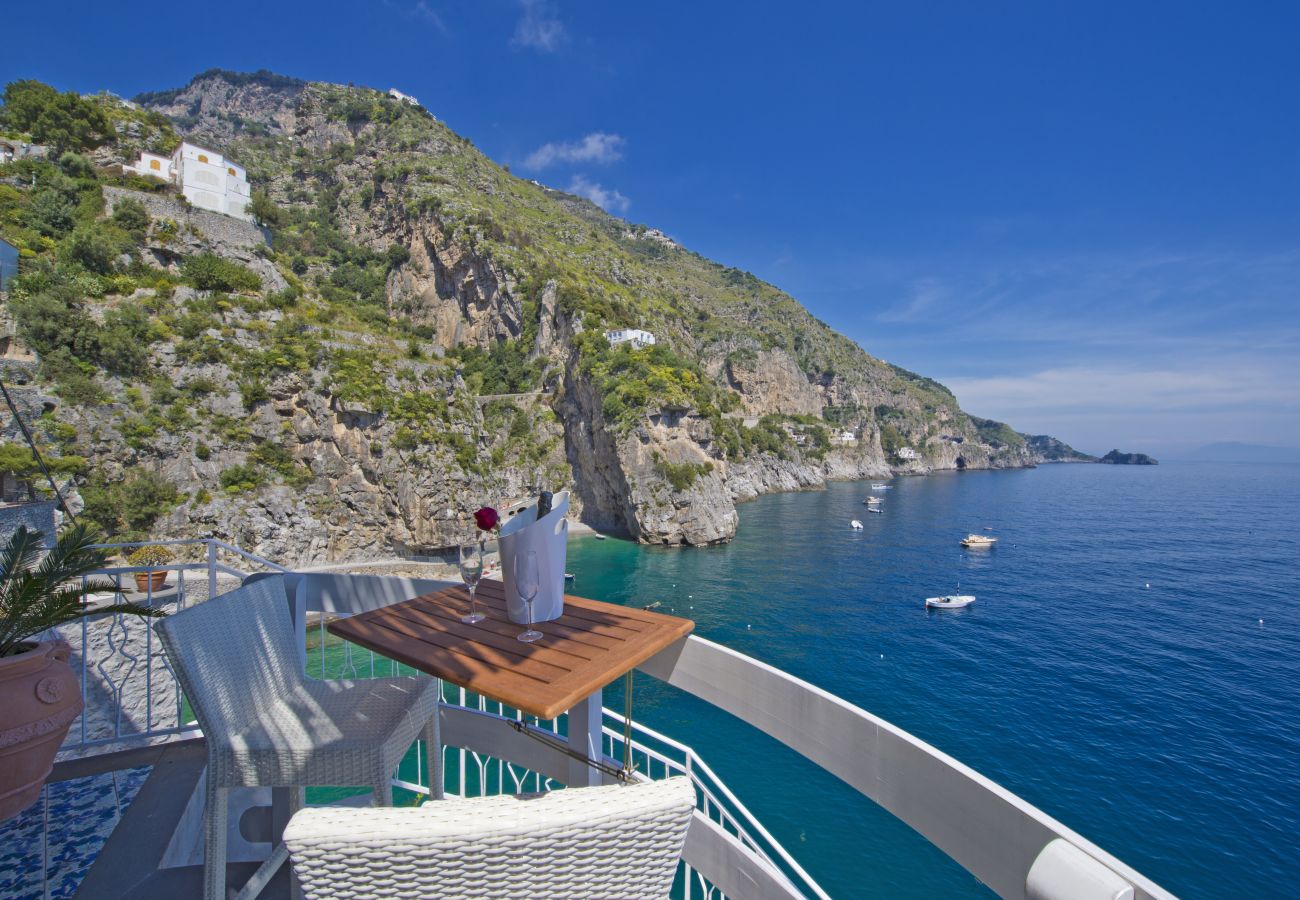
point(543, 504)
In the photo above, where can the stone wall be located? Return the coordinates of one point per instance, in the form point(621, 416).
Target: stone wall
point(38, 516)
point(214, 226)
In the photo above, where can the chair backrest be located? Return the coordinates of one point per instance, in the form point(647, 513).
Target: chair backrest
point(611, 841)
point(288, 579)
point(232, 651)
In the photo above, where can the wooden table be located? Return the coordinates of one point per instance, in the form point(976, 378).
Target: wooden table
point(588, 647)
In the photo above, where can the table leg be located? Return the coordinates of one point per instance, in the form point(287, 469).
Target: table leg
point(585, 722)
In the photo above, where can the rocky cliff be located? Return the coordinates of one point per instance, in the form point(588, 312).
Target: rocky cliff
point(425, 333)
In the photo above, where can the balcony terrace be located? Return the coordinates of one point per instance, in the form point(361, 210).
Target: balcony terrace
point(122, 814)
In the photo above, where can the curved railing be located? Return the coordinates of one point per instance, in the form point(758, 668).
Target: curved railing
point(1008, 844)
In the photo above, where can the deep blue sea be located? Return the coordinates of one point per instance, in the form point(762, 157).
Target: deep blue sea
point(1132, 664)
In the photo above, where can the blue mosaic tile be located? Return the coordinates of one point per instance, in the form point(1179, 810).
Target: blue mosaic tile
point(47, 850)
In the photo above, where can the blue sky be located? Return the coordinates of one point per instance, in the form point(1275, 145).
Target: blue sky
point(1082, 217)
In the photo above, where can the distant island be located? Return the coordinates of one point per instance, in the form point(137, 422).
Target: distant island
point(1115, 458)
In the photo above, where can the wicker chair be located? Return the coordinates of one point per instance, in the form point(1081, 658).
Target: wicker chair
point(614, 841)
point(267, 724)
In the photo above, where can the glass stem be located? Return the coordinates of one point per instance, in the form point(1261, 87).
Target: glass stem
point(473, 607)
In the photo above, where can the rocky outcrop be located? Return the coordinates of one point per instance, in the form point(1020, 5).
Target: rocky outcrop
point(1116, 458)
point(771, 382)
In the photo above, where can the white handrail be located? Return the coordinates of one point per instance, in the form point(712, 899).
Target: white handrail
point(990, 831)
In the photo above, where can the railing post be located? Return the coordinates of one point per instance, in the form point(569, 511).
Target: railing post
point(212, 568)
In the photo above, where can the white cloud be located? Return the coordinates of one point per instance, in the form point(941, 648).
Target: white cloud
point(597, 147)
point(538, 27)
point(1116, 389)
point(1190, 404)
point(421, 11)
point(607, 199)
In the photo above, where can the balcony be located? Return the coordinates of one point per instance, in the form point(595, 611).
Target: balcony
point(122, 813)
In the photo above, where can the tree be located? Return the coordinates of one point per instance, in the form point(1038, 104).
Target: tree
point(94, 247)
point(64, 121)
point(263, 210)
point(131, 216)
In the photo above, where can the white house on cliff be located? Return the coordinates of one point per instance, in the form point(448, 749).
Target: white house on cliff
point(206, 178)
point(634, 336)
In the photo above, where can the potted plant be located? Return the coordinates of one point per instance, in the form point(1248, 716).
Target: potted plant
point(39, 694)
point(150, 555)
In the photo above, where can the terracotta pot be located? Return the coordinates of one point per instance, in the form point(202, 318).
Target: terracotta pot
point(145, 581)
point(39, 699)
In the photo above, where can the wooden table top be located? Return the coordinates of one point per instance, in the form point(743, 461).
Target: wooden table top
point(588, 647)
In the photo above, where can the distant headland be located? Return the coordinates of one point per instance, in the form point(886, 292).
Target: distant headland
point(1116, 458)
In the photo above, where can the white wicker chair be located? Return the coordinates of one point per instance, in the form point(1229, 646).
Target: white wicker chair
point(615, 841)
point(267, 724)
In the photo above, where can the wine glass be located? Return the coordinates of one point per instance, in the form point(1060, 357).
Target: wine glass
point(471, 570)
point(527, 583)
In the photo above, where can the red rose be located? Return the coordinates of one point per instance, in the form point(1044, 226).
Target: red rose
point(487, 518)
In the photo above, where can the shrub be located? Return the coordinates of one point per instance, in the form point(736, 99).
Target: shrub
point(253, 392)
point(129, 507)
point(240, 479)
point(209, 272)
point(124, 340)
point(131, 216)
point(150, 555)
point(202, 451)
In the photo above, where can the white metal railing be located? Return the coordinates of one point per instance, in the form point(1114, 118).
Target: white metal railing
point(129, 694)
point(132, 699)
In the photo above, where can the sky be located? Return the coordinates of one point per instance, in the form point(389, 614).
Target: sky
point(1083, 217)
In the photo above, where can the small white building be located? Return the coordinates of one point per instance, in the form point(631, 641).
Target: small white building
point(908, 453)
point(844, 437)
point(207, 179)
point(405, 98)
point(635, 336)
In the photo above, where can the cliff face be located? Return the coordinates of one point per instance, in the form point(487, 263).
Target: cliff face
point(427, 338)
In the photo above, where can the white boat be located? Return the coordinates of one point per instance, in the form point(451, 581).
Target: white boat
point(875, 509)
point(950, 601)
point(878, 486)
point(870, 501)
point(855, 525)
point(978, 540)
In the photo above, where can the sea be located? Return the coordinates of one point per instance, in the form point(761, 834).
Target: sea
point(1131, 665)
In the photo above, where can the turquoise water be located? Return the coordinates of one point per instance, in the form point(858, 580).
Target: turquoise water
point(1160, 722)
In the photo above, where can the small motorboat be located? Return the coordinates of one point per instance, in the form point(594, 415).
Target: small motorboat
point(569, 576)
point(978, 540)
point(950, 601)
point(599, 536)
point(875, 509)
point(855, 525)
point(871, 501)
point(880, 486)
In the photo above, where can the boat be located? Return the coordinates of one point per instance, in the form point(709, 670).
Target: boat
point(855, 525)
point(871, 500)
point(950, 601)
point(978, 540)
point(599, 536)
point(569, 576)
point(880, 486)
point(875, 509)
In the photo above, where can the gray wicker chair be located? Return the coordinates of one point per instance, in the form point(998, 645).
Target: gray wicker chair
point(267, 724)
point(615, 841)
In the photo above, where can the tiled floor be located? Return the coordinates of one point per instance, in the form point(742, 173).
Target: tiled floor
point(46, 850)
